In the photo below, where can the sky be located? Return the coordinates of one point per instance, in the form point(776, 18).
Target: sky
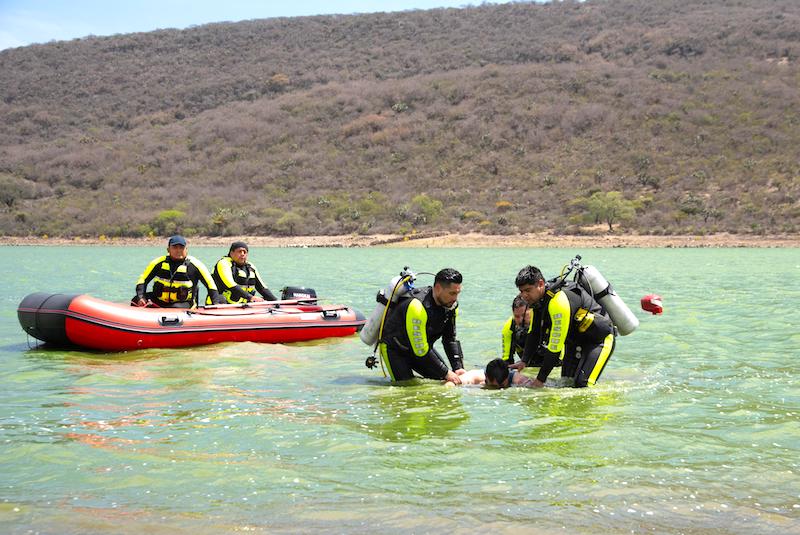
point(24, 22)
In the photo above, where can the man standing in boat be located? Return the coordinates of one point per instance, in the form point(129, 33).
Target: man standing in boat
point(418, 320)
point(237, 279)
point(175, 279)
point(567, 324)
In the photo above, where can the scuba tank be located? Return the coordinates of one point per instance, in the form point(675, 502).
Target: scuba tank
point(590, 278)
point(397, 287)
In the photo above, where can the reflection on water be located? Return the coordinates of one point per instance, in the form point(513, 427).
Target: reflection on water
point(411, 413)
point(693, 427)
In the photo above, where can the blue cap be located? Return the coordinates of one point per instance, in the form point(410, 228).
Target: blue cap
point(176, 240)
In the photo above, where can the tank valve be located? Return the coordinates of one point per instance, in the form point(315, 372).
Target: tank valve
point(371, 362)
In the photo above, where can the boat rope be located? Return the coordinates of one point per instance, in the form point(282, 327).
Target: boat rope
point(274, 310)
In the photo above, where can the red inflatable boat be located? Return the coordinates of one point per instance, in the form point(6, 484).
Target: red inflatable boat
point(84, 321)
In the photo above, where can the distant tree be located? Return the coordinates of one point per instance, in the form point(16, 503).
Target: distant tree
point(610, 207)
point(168, 222)
point(425, 209)
point(13, 189)
point(289, 222)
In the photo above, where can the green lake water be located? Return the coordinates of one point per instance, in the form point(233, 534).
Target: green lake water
point(693, 428)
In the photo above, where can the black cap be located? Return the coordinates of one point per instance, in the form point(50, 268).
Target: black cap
point(238, 245)
point(176, 240)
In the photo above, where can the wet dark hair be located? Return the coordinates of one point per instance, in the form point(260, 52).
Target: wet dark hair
point(528, 275)
point(448, 276)
point(497, 371)
point(518, 302)
point(238, 245)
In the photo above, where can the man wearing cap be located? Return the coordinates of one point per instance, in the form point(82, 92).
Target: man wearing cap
point(175, 277)
point(237, 279)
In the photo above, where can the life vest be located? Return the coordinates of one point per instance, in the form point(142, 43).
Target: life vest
point(173, 286)
point(244, 276)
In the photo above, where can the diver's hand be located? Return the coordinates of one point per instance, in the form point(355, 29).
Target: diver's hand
point(517, 365)
point(452, 377)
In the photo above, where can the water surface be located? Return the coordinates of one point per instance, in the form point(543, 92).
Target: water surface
point(694, 427)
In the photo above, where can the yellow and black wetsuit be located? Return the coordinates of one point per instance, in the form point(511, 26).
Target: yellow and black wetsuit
point(238, 284)
point(412, 325)
point(514, 337)
point(569, 324)
point(175, 282)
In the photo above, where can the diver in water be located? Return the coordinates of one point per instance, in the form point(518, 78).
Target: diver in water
point(515, 330)
point(567, 325)
point(415, 322)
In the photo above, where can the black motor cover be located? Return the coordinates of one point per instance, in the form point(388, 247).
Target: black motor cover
point(298, 292)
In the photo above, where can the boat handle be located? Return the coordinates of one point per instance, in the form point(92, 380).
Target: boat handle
point(330, 314)
point(171, 321)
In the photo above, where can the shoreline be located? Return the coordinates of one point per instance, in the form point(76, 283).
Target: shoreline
point(440, 240)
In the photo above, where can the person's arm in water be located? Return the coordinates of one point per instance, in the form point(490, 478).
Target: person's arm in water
point(523, 381)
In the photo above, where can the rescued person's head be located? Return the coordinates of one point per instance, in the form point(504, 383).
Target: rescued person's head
point(497, 374)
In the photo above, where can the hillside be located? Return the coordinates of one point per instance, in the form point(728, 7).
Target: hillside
point(650, 117)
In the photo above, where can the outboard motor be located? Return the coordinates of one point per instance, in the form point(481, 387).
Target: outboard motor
point(300, 293)
point(397, 287)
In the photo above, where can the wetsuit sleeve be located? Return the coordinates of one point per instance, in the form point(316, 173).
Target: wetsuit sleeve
point(416, 330)
point(225, 273)
point(507, 335)
point(262, 288)
point(452, 347)
point(147, 275)
point(558, 311)
point(532, 349)
point(204, 276)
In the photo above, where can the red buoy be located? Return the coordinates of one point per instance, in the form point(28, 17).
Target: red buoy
point(652, 303)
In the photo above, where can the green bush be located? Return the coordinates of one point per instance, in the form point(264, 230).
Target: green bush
point(168, 222)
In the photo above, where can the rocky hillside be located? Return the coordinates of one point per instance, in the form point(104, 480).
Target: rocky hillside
point(645, 117)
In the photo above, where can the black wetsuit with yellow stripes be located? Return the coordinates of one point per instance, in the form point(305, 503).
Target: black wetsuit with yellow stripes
point(514, 337)
point(568, 325)
point(412, 325)
point(239, 283)
point(175, 282)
